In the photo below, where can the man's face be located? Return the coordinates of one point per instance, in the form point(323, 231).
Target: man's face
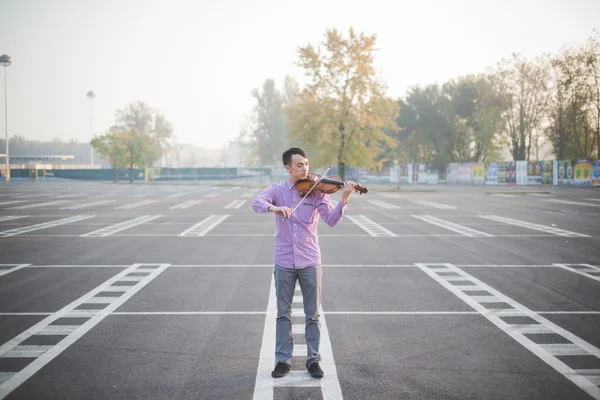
point(299, 168)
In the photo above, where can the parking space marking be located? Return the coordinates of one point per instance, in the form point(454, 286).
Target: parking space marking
point(86, 205)
point(44, 225)
point(136, 205)
point(537, 227)
point(236, 204)
point(434, 204)
point(587, 270)
point(12, 217)
point(5, 203)
point(547, 352)
point(463, 230)
point(371, 227)
point(44, 354)
point(185, 204)
point(265, 384)
point(204, 226)
point(576, 203)
point(384, 204)
point(48, 203)
point(12, 268)
point(214, 194)
point(109, 230)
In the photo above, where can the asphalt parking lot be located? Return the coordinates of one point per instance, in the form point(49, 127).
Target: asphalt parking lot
point(165, 292)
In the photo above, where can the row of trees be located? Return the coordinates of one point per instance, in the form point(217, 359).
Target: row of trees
point(343, 115)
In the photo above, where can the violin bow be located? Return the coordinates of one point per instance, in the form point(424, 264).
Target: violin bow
point(307, 193)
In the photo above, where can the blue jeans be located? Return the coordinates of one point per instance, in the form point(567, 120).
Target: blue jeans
point(310, 284)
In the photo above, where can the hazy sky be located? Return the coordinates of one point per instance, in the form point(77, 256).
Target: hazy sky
point(197, 61)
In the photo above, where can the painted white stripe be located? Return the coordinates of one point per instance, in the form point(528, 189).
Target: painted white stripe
point(15, 268)
point(44, 225)
point(581, 272)
point(540, 194)
point(249, 194)
point(132, 278)
point(504, 195)
point(49, 203)
point(174, 195)
point(463, 230)
point(214, 194)
point(48, 355)
point(5, 203)
point(102, 300)
point(575, 203)
point(21, 351)
point(236, 204)
point(121, 226)
point(58, 330)
point(384, 204)
point(300, 350)
point(434, 204)
point(593, 199)
point(298, 329)
point(185, 204)
point(136, 205)
point(536, 227)
point(231, 189)
point(204, 226)
point(371, 227)
point(532, 329)
point(264, 384)
point(546, 352)
point(298, 299)
point(95, 203)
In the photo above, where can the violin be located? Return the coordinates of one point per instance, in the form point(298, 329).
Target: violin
point(326, 185)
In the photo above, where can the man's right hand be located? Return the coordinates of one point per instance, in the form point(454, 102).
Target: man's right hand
point(285, 212)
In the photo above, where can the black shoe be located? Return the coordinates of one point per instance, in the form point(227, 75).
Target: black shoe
point(315, 370)
point(281, 370)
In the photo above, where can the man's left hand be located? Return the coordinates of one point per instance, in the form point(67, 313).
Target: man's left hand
point(348, 190)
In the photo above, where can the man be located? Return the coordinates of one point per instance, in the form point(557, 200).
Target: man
point(297, 256)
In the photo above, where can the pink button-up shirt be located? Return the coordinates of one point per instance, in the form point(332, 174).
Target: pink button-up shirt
point(296, 240)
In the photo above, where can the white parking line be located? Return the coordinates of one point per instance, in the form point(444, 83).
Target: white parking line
point(45, 354)
point(265, 384)
point(44, 225)
point(135, 205)
point(5, 203)
point(86, 205)
point(214, 194)
point(504, 195)
point(463, 230)
point(434, 204)
point(185, 204)
point(582, 269)
point(548, 352)
point(576, 203)
point(384, 204)
point(109, 230)
point(13, 269)
point(204, 226)
point(236, 204)
point(529, 225)
point(49, 203)
point(371, 227)
point(12, 217)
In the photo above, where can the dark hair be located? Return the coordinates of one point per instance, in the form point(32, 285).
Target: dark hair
point(287, 155)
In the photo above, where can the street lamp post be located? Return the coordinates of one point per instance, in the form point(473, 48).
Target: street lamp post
point(91, 95)
point(6, 61)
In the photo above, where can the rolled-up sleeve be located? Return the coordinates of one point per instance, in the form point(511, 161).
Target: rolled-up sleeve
point(264, 200)
point(330, 214)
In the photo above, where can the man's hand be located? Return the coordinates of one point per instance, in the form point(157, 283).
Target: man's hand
point(285, 212)
point(348, 190)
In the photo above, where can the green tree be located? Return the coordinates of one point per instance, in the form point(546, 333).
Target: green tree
point(268, 134)
point(148, 121)
point(341, 114)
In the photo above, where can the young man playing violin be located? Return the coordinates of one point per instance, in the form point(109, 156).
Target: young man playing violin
point(297, 256)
